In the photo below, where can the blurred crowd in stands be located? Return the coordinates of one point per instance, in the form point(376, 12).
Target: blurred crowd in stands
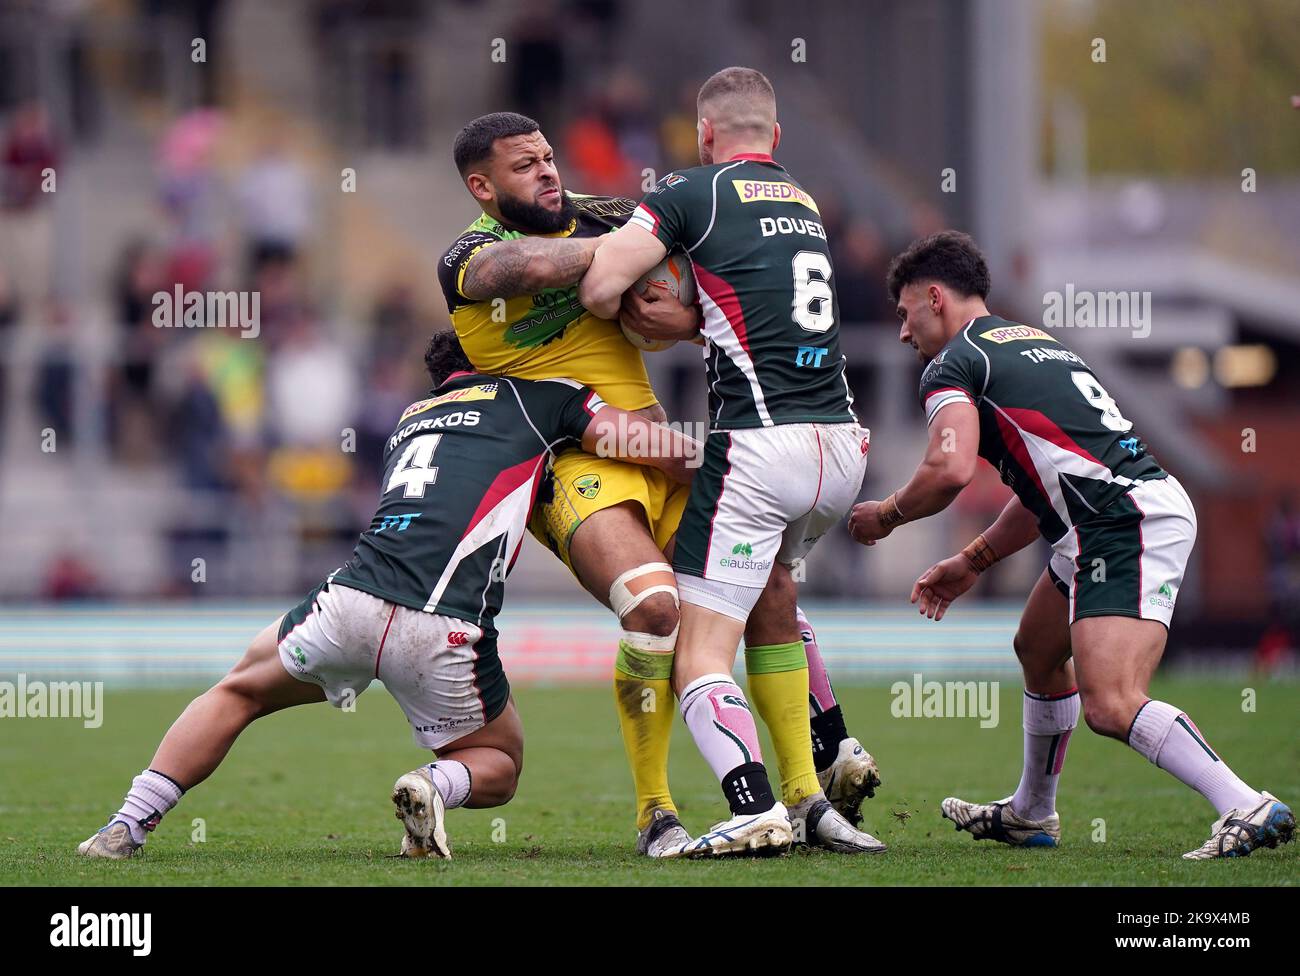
point(295, 420)
point(264, 420)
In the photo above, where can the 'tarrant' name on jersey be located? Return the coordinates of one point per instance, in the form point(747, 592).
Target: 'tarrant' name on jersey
point(461, 472)
point(763, 268)
point(1046, 423)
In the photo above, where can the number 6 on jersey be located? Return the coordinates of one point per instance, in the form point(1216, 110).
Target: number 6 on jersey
point(814, 307)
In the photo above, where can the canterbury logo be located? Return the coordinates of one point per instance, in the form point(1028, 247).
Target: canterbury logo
point(457, 637)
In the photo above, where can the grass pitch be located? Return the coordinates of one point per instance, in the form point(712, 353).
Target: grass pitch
point(303, 800)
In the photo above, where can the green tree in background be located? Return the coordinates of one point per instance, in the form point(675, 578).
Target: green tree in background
point(1189, 88)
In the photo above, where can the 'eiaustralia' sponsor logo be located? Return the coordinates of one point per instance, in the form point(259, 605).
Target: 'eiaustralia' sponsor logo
point(742, 557)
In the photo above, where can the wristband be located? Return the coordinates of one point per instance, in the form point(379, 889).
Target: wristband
point(889, 513)
point(980, 554)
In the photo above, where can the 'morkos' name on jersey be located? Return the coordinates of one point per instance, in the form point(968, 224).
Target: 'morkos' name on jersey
point(468, 418)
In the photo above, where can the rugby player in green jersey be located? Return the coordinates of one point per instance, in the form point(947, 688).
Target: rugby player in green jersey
point(1121, 530)
point(783, 462)
point(415, 605)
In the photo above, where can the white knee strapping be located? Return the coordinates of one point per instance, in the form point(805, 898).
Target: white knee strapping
point(651, 642)
point(622, 598)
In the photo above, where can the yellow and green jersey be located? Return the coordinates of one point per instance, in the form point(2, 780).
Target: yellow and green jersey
point(547, 334)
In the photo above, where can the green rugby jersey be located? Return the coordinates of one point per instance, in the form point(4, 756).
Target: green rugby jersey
point(1049, 427)
point(764, 275)
point(460, 474)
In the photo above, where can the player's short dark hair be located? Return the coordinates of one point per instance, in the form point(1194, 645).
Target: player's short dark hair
point(739, 100)
point(474, 142)
point(745, 82)
point(444, 356)
point(949, 257)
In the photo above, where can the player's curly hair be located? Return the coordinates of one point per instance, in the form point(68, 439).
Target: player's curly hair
point(949, 257)
point(444, 356)
point(474, 142)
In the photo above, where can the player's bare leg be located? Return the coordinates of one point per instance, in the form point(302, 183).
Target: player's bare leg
point(199, 740)
point(1051, 712)
point(778, 669)
point(722, 724)
point(478, 770)
point(615, 558)
point(258, 685)
point(1115, 658)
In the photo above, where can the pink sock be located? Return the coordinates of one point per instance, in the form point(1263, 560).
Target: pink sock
point(721, 723)
point(150, 797)
point(821, 696)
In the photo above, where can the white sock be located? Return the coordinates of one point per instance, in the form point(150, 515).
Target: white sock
point(150, 797)
point(1168, 738)
point(452, 781)
point(1048, 723)
point(721, 723)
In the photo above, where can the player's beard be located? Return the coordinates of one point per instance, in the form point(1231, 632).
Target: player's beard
point(535, 218)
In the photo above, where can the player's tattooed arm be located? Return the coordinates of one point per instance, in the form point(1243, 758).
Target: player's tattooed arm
point(526, 265)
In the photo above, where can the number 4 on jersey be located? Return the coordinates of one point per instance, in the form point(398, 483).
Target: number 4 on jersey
point(415, 469)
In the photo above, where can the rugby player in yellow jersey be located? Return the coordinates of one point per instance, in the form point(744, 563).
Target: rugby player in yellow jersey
point(510, 282)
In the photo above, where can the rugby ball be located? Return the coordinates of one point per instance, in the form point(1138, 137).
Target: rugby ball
point(674, 273)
